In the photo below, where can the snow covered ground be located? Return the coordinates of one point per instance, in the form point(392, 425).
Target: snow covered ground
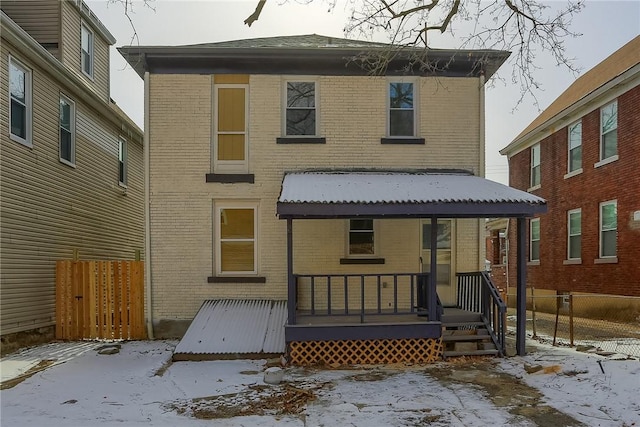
point(139, 386)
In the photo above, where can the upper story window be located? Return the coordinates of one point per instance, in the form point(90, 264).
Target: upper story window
point(67, 131)
point(236, 241)
point(535, 165)
point(301, 114)
point(609, 130)
point(534, 240)
point(87, 50)
point(402, 113)
point(20, 111)
point(608, 228)
point(122, 161)
point(361, 237)
point(575, 146)
point(230, 144)
point(574, 239)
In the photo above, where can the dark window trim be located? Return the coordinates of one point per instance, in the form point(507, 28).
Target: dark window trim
point(301, 140)
point(392, 140)
point(362, 261)
point(236, 279)
point(230, 178)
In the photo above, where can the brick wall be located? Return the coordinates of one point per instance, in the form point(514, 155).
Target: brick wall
point(352, 116)
point(618, 180)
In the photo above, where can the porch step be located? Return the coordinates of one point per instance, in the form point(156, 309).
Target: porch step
point(459, 338)
point(471, 353)
point(460, 324)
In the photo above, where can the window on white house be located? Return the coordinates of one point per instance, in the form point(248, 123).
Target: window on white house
point(230, 128)
point(236, 243)
point(86, 36)
point(67, 131)
point(20, 111)
point(301, 114)
point(361, 237)
point(534, 240)
point(122, 161)
point(401, 109)
point(608, 229)
point(574, 240)
point(575, 146)
point(535, 165)
point(609, 130)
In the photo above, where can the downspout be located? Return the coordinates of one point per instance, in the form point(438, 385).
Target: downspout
point(147, 211)
point(482, 245)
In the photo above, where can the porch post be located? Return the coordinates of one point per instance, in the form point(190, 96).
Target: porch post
point(432, 293)
point(521, 290)
point(291, 281)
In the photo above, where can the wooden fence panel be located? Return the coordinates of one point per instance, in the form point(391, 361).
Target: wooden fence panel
point(100, 300)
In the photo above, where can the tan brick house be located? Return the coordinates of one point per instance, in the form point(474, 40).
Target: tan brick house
point(581, 154)
point(243, 135)
point(70, 162)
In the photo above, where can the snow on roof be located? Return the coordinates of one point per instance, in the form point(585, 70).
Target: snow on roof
point(397, 187)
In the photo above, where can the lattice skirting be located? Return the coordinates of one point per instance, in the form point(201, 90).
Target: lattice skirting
point(366, 352)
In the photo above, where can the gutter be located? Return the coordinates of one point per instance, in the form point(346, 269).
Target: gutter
point(31, 49)
point(482, 246)
point(147, 212)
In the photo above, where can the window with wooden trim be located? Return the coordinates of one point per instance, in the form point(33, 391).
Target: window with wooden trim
point(609, 130)
point(535, 165)
point(301, 109)
point(574, 238)
point(608, 229)
point(534, 239)
point(230, 145)
point(236, 238)
point(67, 131)
point(21, 108)
point(575, 147)
point(86, 59)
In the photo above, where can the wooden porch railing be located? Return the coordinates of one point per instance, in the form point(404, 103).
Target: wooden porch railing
point(477, 293)
point(364, 294)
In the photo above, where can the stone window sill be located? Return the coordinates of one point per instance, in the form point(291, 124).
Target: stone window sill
point(236, 279)
point(362, 261)
point(301, 140)
point(400, 141)
point(230, 178)
point(572, 261)
point(611, 260)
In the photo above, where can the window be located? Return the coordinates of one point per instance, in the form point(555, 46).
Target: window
point(535, 165)
point(236, 248)
point(575, 146)
point(608, 228)
point(534, 237)
point(122, 162)
point(609, 130)
point(87, 50)
point(230, 128)
point(300, 116)
point(401, 109)
point(574, 240)
point(20, 110)
point(67, 131)
point(499, 247)
point(361, 237)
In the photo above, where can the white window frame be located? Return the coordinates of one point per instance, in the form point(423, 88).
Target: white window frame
point(230, 166)
point(123, 159)
point(602, 134)
point(600, 229)
point(375, 239)
point(415, 83)
point(531, 240)
point(83, 65)
point(71, 130)
point(569, 235)
point(28, 104)
point(533, 165)
point(570, 129)
point(285, 107)
point(217, 241)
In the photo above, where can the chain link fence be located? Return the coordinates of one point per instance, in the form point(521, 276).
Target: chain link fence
point(607, 323)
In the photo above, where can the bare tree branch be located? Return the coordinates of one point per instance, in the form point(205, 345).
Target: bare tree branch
point(256, 13)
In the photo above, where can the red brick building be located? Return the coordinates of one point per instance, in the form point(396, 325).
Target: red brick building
point(582, 155)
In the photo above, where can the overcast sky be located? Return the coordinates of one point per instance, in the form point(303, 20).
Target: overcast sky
point(605, 26)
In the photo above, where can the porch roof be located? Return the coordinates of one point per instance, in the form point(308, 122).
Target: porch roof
point(401, 194)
